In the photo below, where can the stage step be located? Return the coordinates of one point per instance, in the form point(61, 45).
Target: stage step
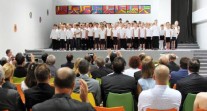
point(202, 56)
point(36, 53)
point(188, 46)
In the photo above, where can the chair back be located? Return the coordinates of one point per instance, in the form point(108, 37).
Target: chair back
point(17, 80)
point(115, 100)
point(148, 109)
point(189, 102)
point(99, 80)
point(91, 99)
point(51, 80)
point(109, 109)
point(21, 93)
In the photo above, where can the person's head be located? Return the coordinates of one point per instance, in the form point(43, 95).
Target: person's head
point(172, 57)
point(76, 64)
point(89, 58)
point(119, 65)
point(134, 62)
point(55, 26)
point(83, 67)
point(90, 25)
point(120, 20)
point(30, 79)
point(100, 62)
point(44, 57)
point(20, 59)
point(42, 73)
point(69, 57)
point(147, 68)
point(162, 27)
point(161, 75)
point(163, 60)
point(9, 71)
point(156, 22)
point(112, 56)
point(194, 65)
point(51, 60)
point(3, 61)
point(2, 76)
point(176, 23)
point(184, 62)
point(9, 52)
point(142, 56)
point(64, 81)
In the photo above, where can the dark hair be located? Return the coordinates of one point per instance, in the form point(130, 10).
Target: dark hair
point(89, 59)
point(42, 72)
point(19, 58)
point(8, 51)
point(118, 65)
point(112, 56)
point(83, 66)
point(3, 61)
point(30, 79)
point(69, 57)
point(28, 58)
point(184, 62)
point(142, 56)
point(44, 57)
point(134, 62)
point(147, 68)
point(194, 65)
point(65, 81)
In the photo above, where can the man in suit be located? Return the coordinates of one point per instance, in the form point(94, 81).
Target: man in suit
point(43, 91)
point(172, 65)
point(102, 70)
point(62, 101)
point(194, 83)
point(69, 63)
point(9, 98)
point(182, 73)
point(118, 82)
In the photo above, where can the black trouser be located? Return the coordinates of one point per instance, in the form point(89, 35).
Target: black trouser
point(109, 42)
point(68, 44)
point(83, 44)
point(90, 42)
point(123, 43)
point(62, 43)
point(148, 44)
point(54, 44)
point(78, 43)
point(136, 42)
point(155, 42)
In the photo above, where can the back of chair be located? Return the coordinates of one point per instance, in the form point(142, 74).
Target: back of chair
point(17, 80)
point(91, 99)
point(189, 102)
point(109, 109)
point(21, 93)
point(117, 100)
point(148, 109)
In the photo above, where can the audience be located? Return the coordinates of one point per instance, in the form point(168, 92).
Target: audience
point(112, 57)
point(147, 81)
point(161, 97)
point(172, 65)
point(20, 70)
point(102, 70)
point(9, 98)
point(61, 101)
point(141, 57)
point(3, 61)
point(9, 55)
point(44, 57)
point(194, 83)
point(182, 73)
point(51, 59)
point(118, 82)
point(69, 63)
point(9, 71)
point(30, 59)
point(200, 101)
point(164, 60)
point(134, 63)
point(76, 64)
point(30, 80)
point(42, 91)
point(93, 85)
point(90, 59)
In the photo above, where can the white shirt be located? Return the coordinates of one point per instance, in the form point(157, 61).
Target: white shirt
point(136, 32)
point(148, 32)
point(142, 32)
point(130, 71)
point(168, 33)
point(129, 33)
point(24, 86)
point(90, 31)
point(62, 34)
point(122, 33)
point(115, 32)
point(83, 33)
point(77, 31)
point(161, 97)
point(69, 34)
point(102, 33)
point(96, 32)
point(54, 34)
point(109, 30)
point(162, 32)
point(177, 31)
point(155, 30)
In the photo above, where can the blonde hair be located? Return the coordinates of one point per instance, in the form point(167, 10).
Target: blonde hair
point(9, 70)
point(76, 64)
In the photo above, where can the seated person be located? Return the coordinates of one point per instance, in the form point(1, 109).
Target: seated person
point(20, 70)
point(118, 82)
point(44, 57)
point(9, 71)
point(9, 98)
point(164, 60)
point(172, 65)
point(90, 59)
point(102, 70)
point(69, 63)
point(93, 85)
point(51, 59)
point(3, 61)
point(43, 91)
point(134, 63)
point(161, 97)
point(200, 101)
point(182, 73)
point(62, 101)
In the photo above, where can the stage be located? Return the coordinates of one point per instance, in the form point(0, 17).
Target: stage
point(61, 55)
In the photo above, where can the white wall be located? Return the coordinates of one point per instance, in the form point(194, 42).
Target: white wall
point(200, 21)
point(30, 33)
point(161, 10)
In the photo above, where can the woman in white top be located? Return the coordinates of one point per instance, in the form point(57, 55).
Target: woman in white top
point(83, 37)
point(136, 36)
point(90, 36)
point(162, 37)
point(69, 34)
point(134, 63)
point(102, 35)
point(148, 43)
point(168, 35)
point(63, 36)
point(115, 36)
point(96, 36)
point(129, 35)
point(54, 36)
point(109, 36)
point(142, 36)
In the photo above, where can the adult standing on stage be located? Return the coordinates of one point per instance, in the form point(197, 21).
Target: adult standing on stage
point(177, 29)
point(55, 36)
point(155, 35)
point(90, 36)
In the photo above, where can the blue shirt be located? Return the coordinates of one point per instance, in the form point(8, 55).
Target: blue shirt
point(146, 83)
point(177, 75)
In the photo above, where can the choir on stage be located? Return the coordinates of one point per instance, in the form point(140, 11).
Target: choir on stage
point(126, 36)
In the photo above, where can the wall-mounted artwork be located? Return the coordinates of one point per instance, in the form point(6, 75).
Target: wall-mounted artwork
point(121, 9)
point(108, 9)
point(61, 10)
point(132, 9)
point(40, 19)
point(144, 9)
point(48, 13)
point(74, 10)
point(97, 9)
point(15, 27)
point(86, 9)
point(30, 15)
